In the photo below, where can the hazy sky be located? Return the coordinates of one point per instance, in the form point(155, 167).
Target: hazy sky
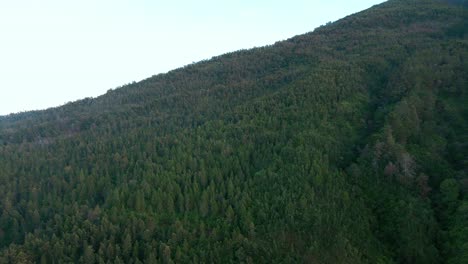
point(56, 51)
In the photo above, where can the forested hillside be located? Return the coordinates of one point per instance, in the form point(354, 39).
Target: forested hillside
point(348, 144)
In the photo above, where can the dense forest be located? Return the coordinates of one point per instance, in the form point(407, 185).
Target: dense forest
point(348, 144)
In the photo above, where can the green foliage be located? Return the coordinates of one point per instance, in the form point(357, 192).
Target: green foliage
point(344, 145)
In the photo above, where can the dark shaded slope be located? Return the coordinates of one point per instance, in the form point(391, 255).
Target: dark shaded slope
point(322, 148)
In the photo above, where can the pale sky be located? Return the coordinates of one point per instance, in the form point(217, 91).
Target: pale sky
point(56, 51)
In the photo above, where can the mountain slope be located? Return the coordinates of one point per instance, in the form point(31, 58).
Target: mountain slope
point(344, 145)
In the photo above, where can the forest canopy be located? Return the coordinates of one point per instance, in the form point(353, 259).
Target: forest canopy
point(347, 144)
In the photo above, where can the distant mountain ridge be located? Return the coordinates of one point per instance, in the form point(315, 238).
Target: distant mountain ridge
point(347, 144)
